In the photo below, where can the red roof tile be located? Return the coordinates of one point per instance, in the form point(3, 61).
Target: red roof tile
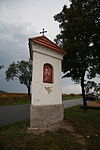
point(42, 40)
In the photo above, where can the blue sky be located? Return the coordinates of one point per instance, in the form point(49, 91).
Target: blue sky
point(20, 20)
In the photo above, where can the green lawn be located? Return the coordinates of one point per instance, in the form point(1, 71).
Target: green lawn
point(98, 100)
point(82, 130)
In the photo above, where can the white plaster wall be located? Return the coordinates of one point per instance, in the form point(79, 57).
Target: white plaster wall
point(40, 94)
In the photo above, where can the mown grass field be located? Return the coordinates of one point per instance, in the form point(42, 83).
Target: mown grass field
point(80, 131)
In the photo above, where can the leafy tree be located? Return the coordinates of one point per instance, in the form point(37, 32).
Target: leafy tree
point(21, 70)
point(1, 67)
point(92, 85)
point(97, 88)
point(80, 37)
point(89, 85)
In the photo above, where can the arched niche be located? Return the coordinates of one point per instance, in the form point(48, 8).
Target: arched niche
point(47, 73)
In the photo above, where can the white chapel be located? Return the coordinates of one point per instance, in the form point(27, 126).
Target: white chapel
point(46, 101)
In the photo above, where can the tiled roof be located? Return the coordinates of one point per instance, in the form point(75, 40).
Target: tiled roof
point(42, 40)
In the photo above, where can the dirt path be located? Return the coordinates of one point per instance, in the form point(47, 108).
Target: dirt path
point(94, 104)
point(65, 126)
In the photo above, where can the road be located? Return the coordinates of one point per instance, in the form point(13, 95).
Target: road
point(69, 103)
point(10, 114)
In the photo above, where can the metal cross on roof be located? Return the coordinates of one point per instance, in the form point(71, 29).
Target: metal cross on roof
point(43, 32)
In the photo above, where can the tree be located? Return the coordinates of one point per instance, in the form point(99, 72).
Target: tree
point(92, 85)
point(89, 85)
point(1, 67)
point(79, 36)
point(21, 70)
point(97, 88)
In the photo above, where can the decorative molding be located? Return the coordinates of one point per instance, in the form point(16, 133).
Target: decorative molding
point(49, 89)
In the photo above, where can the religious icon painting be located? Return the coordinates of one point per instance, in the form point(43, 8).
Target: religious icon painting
point(47, 73)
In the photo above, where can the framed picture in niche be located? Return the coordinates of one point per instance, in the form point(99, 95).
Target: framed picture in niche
point(47, 73)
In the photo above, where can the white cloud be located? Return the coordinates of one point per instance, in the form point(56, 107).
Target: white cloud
point(38, 13)
point(73, 88)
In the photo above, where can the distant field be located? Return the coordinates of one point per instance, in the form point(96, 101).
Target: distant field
point(14, 99)
point(23, 98)
point(12, 94)
point(71, 96)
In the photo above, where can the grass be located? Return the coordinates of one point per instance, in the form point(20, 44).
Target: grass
point(98, 100)
point(85, 123)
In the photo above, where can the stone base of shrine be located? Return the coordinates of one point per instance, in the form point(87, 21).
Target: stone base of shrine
point(44, 116)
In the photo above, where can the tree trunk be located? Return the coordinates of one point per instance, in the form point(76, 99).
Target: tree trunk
point(29, 91)
point(83, 91)
point(29, 88)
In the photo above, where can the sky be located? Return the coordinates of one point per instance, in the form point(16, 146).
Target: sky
point(20, 20)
